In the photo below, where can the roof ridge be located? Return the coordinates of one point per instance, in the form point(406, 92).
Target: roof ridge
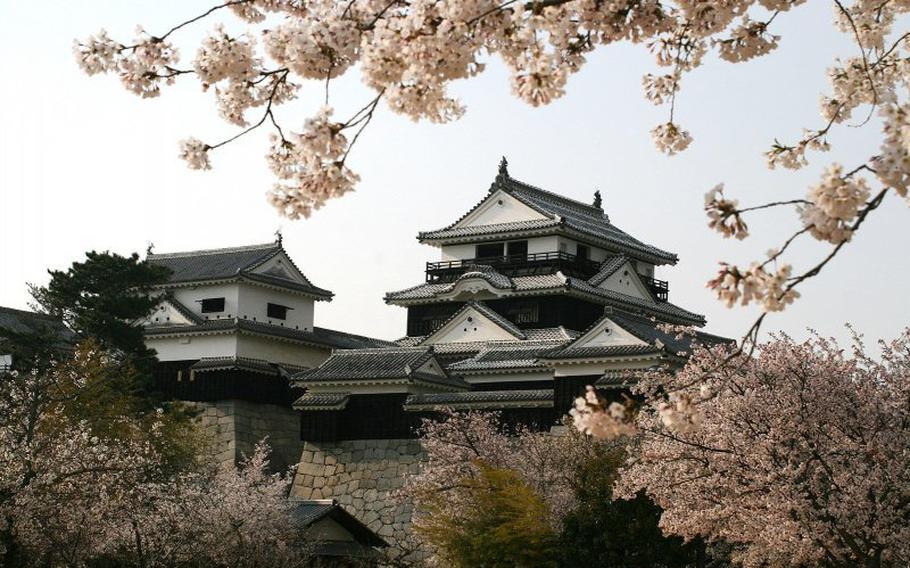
point(201, 252)
point(547, 194)
point(389, 349)
point(30, 314)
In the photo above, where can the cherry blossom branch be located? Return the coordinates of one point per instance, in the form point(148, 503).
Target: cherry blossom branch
point(202, 16)
point(265, 115)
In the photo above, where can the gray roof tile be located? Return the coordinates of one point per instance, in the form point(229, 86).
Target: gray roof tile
point(558, 283)
point(319, 336)
point(322, 401)
point(562, 213)
point(220, 264)
point(487, 312)
point(22, 321)
point(538, 398)
point(377, 364)
point(508, 356)
point(645, 329)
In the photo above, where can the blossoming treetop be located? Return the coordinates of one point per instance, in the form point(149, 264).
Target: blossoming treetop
point(409, 51)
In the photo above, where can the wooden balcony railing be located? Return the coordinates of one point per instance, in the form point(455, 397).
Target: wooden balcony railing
point(515, 264)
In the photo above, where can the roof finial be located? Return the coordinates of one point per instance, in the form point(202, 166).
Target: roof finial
point(504, 167)
point(150, 248)
point(278, 237)
point(598, 201)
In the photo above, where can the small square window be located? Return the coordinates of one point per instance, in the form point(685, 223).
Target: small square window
point(583, 252)
point(277, 311)
point(211, 305)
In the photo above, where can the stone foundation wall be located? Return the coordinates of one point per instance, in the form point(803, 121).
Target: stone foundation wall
point(235, 426)
point(362, 476)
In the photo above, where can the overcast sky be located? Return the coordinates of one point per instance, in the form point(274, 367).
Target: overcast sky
point(86, 165)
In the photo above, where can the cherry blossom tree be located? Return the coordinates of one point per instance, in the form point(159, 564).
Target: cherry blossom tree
point(460, 444)
point(410, 51)
point(798, 454)
point(75, 491)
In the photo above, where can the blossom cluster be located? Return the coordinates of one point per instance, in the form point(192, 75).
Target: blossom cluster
point(756, 284)
point(311, 167)
point(723, 214)
point(794, 456)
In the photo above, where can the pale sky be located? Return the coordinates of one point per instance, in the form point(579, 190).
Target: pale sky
point(86, 165)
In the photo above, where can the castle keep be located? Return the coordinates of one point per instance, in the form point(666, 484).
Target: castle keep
point(533, 297)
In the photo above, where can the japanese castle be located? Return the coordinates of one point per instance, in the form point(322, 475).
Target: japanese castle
point(534, 296)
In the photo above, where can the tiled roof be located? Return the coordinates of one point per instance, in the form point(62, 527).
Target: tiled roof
point(492, 229)
point(555, 335)
point(615, 380)
point(508, 356)
point(488, 273)
point(665, 309)
point(182, 309)
point(561, 213)
point(322, 401)
point(219, 264)
point(306, 513)
point(487, 312)
point(540, 398)
point(655, 340)
point(377, 364)
point(318, 336)
point(609, 266)
point(242, 363)
point(559, 283)
point(597, 351)
point(22, 321)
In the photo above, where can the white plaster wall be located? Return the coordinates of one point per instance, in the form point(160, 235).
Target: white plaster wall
point(500, 208)
point(543, 244)
point(254, 301)
point(608, 334)
point(190, 296)
point(280, 351)
point(186, 348)
point(624, 282)
point(644, 268)
point(461, 330)
point(457, 252)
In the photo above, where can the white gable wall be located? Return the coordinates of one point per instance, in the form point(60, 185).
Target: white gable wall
point(500, 207)
point(191, 296)
point(280, 265)
point(626, 281)
point(166, 314)
point(469, 326)
point(608, 333)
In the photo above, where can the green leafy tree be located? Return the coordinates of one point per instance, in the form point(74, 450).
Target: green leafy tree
point(602, 531)
point(504, 525)
point(102, 298)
